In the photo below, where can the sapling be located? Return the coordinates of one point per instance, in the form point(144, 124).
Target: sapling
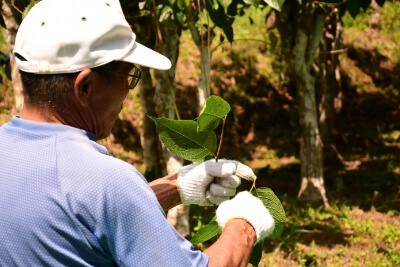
point(196, 140)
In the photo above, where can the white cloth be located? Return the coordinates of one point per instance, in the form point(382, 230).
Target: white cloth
point(211, 182)
point(246, 206)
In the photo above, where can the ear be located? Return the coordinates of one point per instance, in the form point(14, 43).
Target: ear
point(83, 87)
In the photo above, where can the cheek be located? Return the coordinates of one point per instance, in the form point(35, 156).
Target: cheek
point(117, 103)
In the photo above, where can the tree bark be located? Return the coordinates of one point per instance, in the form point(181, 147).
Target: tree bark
point(329, 81)
point(300, 39)
point(165, 106)
point(202, 41)
point(12, 20)
point(149, 136)
point(152, 154)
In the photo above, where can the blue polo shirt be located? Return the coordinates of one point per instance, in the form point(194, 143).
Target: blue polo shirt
point(65, 201)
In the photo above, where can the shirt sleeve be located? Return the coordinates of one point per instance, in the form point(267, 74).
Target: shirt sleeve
point(128, 222)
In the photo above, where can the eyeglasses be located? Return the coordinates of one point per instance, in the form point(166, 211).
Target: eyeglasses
point(133, 76)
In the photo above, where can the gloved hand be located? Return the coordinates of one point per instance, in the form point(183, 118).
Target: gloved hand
point(245, 206)
point(211, 182)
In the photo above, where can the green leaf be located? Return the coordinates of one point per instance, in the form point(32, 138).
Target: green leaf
point(275, 4)
point(274, 205)
point(207, 232)
point(165, 13)
point(256, 253)
point(225, 4)
point(222, 18)
point(214, 4)
point(182, 138)
point(180, 18)
point(255, 3)
point(213, 111)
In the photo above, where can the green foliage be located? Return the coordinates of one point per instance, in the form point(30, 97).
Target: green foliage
point(191, 140)
point(390, 18)
point(355, 6)
point(196, 141)
point(214, 110)
point(275, 4)
point(183, 139)
point(360, 22)
point(273, 204)
point(223, 15)
point(206, 233)
point(256, 254)
point(269, 200)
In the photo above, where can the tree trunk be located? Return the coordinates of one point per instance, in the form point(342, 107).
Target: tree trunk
point(149, 136)
point(12, 20)
point(300, 39)
point(152, 153)
point(164, 99)
point(202, 41)
point(329, 81)
point(159, 100)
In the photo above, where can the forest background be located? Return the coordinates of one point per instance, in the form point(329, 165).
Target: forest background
point(358, 223)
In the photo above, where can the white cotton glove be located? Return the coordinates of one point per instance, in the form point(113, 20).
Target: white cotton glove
point(211, 182)
point(247, 207)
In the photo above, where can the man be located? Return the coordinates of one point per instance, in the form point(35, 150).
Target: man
point(64, 200)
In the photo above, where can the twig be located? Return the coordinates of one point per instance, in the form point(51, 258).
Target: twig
point(222, 137)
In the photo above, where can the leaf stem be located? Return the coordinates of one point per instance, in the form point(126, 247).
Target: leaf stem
point(253, 186)
point(222, 137)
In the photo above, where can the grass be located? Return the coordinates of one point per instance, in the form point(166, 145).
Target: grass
point(339, 236)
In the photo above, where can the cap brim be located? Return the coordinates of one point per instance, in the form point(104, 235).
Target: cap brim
point(143, 56)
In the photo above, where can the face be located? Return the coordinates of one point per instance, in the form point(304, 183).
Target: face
point(106, 102)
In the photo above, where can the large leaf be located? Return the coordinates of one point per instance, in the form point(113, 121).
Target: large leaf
point(207, 232)
point(273, 204)
point(275, 4)
point(182, 138)
point(223, 18)
point(213, 111)
point(256, 253)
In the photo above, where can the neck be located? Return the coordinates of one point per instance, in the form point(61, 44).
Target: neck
point(39, 115)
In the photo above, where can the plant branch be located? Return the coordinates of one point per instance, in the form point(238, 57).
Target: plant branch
point(221, 139)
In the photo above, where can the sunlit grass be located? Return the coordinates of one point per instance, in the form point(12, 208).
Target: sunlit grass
point(339, 236)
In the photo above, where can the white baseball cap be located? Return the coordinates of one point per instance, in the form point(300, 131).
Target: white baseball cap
point(66, 36)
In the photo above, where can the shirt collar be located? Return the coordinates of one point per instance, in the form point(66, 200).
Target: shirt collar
point(46, 128)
